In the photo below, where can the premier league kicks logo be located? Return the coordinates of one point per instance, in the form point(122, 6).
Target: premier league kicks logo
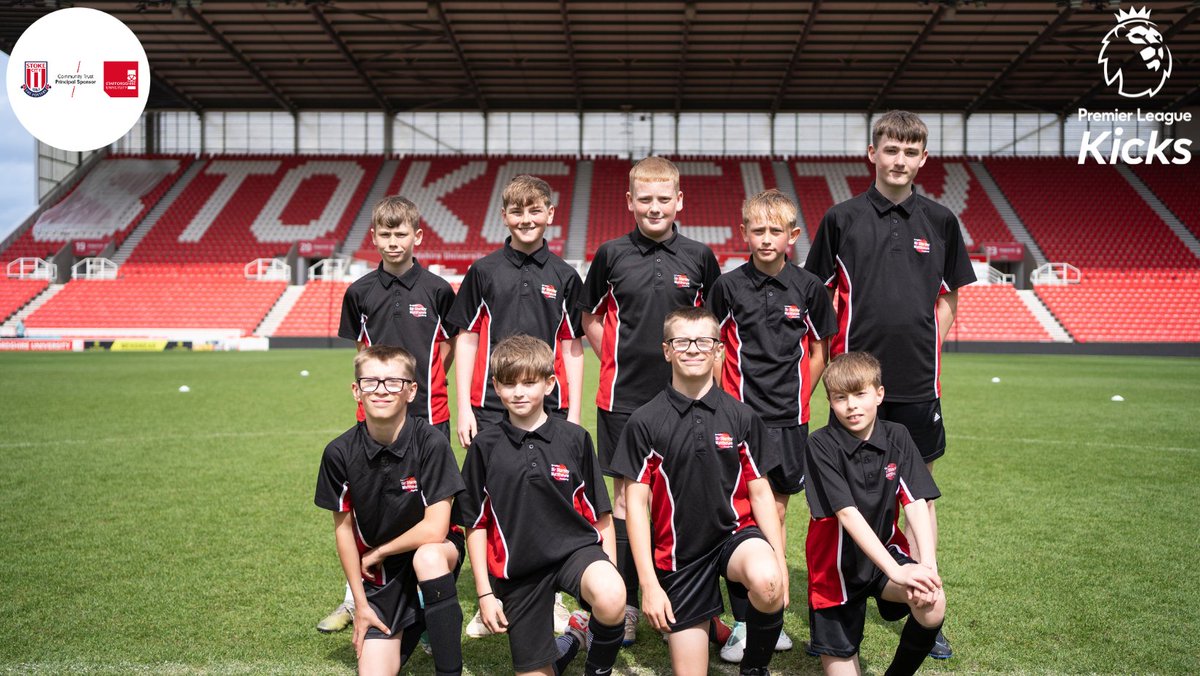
point(37, 82)
point(1135, 41)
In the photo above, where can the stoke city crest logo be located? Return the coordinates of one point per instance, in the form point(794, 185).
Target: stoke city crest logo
point(1134, 55)
point(37, 78)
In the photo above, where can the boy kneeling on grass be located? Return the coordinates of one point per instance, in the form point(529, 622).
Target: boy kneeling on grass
point(860, 469)
point(390, 482)
point(538, 521)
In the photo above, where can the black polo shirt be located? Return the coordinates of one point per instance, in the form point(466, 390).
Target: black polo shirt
point(408, 311)
point(388, 487)
point(509, 292)
point(698, 457)
point(767, 325)
point(633, 283)
point(878, 476)
point(537, 494)
point(888, 263)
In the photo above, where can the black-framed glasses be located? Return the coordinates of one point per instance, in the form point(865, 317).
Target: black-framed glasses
point(703, 344)
point(392, 385)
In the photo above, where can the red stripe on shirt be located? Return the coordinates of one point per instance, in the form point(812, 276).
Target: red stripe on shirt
point(662, 511)
point(731, 372)
point(822, 551)
point(439, 398)
point(482, 325)
point(608, 309)
point(740, 500)
point(838, 344)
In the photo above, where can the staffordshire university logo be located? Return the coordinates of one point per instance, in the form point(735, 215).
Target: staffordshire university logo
point(36, 81)
point(1135, 39)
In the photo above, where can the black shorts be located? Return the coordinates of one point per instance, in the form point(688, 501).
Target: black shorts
point(788, 477)
point(529, 606)
point(838, 631)
point(694, 590)
point(609, 426)
point(443, 427)
point(924, 422)
point(398, 603)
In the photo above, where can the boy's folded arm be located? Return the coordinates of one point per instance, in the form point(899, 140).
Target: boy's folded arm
point(343, 535)
point(916, 514)
point(432, 528)
point(655, 604)
point(860, 531)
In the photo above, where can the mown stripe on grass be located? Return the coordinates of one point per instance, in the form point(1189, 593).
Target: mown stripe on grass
point(173, 437)
point(1077, 442)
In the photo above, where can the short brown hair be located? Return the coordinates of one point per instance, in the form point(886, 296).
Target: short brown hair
point(385, 354)
point(526, 189)
point(687, 314)
point(771, 206)
point(393, 211)
point(654, 169)
point(851, 372)
point(901, 125)
point(521, 356)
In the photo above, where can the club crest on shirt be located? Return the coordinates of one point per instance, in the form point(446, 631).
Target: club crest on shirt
point(921, 245)
point(890, 471)
point(791, 311)
point(409, 484)
point(682, 281)
point(724, 440)
point(549, 291)
point(417, 310)
point(560, 473)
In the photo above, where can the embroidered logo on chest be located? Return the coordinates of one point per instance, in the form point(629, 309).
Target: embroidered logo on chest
point(723, 439)
point(921, 245)
point(549, 291)
point(682, 281)
point(560, 473)
point(409, 484)
point(417, 310)
point(791, 311)
point(890, 471)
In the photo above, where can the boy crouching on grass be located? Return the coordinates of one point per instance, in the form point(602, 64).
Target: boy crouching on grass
point(539, 521)
point(859, 469)
point(695, 461)
point(390, 482)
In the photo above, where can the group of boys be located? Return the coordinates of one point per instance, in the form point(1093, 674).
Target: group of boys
point(702, 426)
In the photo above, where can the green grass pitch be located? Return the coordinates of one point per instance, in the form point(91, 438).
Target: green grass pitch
point(152, 531)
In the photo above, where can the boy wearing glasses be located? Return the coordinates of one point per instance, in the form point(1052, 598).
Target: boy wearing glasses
point(699, 504)
point(390, 482)
point(400, 304)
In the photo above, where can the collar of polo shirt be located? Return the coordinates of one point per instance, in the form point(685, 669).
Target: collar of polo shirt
point(683, 403)
point(398, 448)
point(758, 277)
point(646, 245)
point(408, 279)
point(518, 258)
point(516, 435)
point(850, 443)
point(883, 204)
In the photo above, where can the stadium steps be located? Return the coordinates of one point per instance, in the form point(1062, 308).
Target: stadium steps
point(159, 209)
point(362, 221)
point(279, 311)
point(9, 327)
point(783, 181)
point(1044, 316)
point(581, 202)
point(1181, 231)
point(1006, 211)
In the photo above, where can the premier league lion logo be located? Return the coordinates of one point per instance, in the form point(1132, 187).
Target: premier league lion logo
point(1134, 55)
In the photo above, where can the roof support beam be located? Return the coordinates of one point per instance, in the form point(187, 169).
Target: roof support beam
point(319, 15)
point(797, 49)
point(930, 24)
point(689, 15)
point(158, 80)
point(566, 29)
point(1091, 93)
point(216, 35)
point(1045, 36)
point(435, 9)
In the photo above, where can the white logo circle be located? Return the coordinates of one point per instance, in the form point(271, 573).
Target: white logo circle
point(78, 79)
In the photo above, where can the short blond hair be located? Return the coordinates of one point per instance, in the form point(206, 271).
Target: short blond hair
point(850, 372)
point(654, 169)
point(771, 206)
point(524, 190)
point(901, 125)
point(521, 356)
point(385, 354)
point(687, 314)
point(393, 211)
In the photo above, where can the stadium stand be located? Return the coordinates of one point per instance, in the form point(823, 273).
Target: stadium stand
point(1153, 305)
point(15, 293)
point(1087, 215)
point(240, 208)
point(105, 205)
point(995, 313)
point(317, 312)
point(161, 297)
point(822, 182)
point(1176, 186)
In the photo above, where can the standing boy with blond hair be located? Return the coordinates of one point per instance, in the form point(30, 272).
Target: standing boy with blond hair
point(775, 319)
point(634, 281)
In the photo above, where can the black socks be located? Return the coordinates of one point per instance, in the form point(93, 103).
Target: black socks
point(762, 631)
point(443, 620)
point(915, 644)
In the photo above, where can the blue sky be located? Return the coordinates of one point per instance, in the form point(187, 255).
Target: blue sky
point(18, 174)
